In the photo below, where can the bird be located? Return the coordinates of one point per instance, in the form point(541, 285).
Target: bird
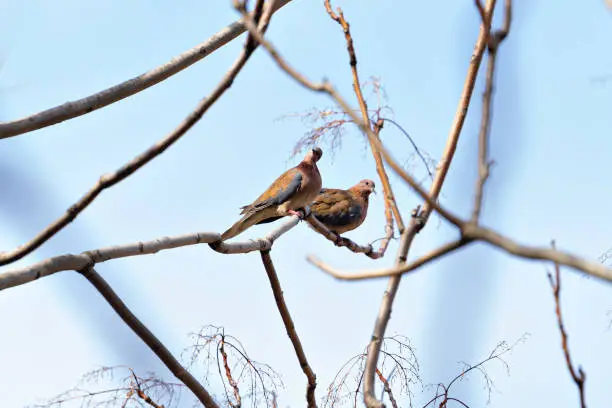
point(293, 190)
point(343, 210)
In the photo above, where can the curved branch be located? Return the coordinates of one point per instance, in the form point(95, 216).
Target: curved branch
point(128, 88)
point(75, 262)
point(148, 337)
point(382, 273)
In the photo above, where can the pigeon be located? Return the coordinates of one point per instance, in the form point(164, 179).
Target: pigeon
point(343, 210)
point(293, 190)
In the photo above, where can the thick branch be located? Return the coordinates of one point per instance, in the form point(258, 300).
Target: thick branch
point(75, 262)
point(128, 88)
point(288, 322)
point(148, 338)
point(578, 377)
point(108, 180)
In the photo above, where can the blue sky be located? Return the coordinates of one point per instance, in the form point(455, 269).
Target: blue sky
point(550, 142)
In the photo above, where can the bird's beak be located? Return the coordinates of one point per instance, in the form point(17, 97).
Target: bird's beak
point(374, 190)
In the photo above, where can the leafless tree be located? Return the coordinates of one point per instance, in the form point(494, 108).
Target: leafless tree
point(228, 351)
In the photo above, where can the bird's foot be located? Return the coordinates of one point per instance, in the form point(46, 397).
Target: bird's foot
point(301, 213)
point(340, 241)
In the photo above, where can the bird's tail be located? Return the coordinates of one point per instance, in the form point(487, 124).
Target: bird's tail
point(242, 225)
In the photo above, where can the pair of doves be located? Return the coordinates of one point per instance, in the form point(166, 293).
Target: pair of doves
point(301, 186)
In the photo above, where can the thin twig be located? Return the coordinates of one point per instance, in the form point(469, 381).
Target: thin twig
point(412, 142)
point(382, 273)
point(228, 374)
point(487, 101)
point(471, 233)
point(109, 180)
point(390, 203)
point(387, 388)
point(128, 88)
point(578, 377)
point(290, 327)
point(141, 394)
point(148, 337)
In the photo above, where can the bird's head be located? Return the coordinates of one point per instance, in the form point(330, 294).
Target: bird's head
point(313, 155)
point(366, 187)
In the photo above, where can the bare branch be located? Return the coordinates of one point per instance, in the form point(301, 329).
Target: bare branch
point(128, 88)
point(228, 374)
point(496, 354)
point(387, 388)
point(148, 337)
point(288, 322)
point(412, 142)
point(149, 389)
point(246, 372)
point(578, 377)
point(75, 262)
point(416, 224)
point(470, 233)
point(494, 42)
point(544, 254)
point(260, 244)
point(108, 180)
point(341, 241)
point(390, 203)
point(404, 268)
point(396, 352)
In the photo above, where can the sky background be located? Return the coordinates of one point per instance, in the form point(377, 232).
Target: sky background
point(550, 140)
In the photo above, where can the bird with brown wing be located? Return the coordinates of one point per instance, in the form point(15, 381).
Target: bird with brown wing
point(293, 190)
point(343, 210)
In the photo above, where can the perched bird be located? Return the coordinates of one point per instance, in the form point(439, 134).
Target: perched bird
point(343, 210)
point(293, 190)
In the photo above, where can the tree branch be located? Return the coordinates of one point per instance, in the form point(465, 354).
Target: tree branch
point(128, 88)
point(75, 262)
point(108, 180)
point(387, 388)
point(288, 322)
point(390, 203)
point(260, 244)
point(578, 377)
point(382, 273)
point(228, 374)
point(341, 241)
point(148, 337)
point(470, 233)
point(494, 42)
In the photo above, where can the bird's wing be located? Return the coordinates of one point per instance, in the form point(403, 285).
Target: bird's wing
point(280, 191)
point(336, 207)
